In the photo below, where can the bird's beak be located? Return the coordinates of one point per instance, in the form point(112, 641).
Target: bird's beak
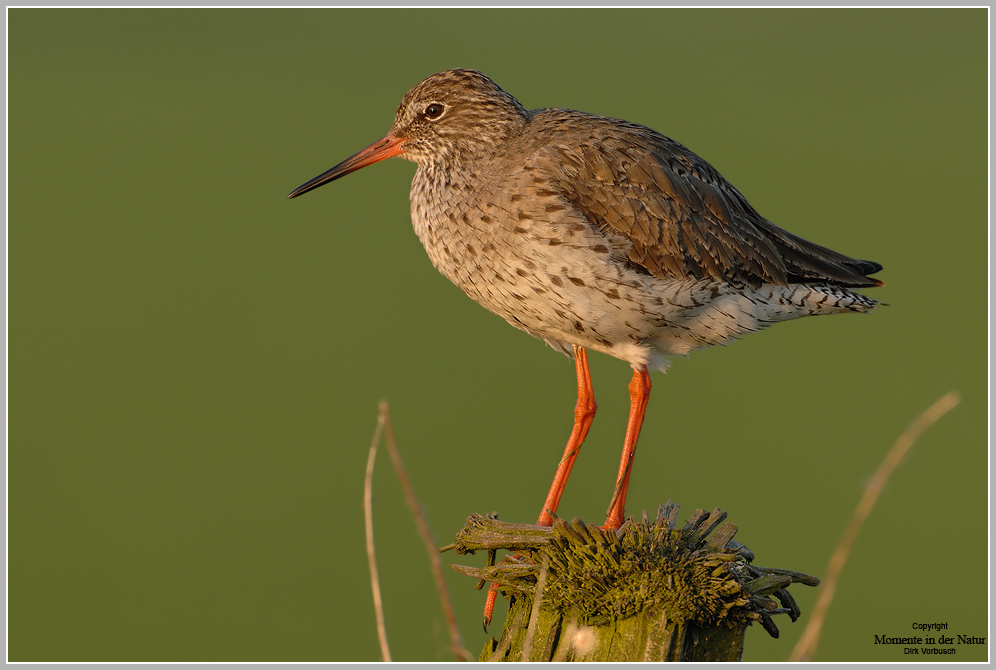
point(378, 151)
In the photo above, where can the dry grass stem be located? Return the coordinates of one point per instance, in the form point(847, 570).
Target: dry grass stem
point(527, 644)
point(566, 640)
point(805, 649)
point(456, 642)
point(385, 651)
point(506, 641)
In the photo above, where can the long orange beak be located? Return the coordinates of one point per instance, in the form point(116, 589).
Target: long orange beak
point(378, 151)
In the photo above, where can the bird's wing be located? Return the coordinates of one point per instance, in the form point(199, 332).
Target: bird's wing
point(682, 218)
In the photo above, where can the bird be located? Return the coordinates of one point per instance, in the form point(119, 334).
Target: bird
point(595, 233)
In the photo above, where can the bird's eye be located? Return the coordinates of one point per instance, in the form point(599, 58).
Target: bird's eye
point(433, 111)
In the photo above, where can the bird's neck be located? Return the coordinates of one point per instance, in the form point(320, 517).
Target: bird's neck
point(443, 206)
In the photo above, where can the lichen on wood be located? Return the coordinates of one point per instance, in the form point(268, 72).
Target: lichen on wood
point(648, 591)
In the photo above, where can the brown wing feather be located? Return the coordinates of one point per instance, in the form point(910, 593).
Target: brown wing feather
point(680, 215)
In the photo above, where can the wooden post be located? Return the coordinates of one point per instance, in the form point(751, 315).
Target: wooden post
point(647, 592)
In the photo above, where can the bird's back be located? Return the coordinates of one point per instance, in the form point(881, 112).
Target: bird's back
point(683, 219)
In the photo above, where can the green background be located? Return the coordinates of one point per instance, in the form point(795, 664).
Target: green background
point(195, 362)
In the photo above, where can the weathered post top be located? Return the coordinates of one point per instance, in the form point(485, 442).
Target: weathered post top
point(647, 592)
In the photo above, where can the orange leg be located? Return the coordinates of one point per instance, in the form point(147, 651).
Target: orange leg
point(639, 394)
point(584, 414)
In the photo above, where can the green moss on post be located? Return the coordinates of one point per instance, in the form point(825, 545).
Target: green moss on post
point(647, 592)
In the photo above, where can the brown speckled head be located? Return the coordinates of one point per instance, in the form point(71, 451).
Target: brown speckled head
point(456, 116)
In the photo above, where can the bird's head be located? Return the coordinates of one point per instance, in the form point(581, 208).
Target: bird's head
point(455, 116)
point(451, 118)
